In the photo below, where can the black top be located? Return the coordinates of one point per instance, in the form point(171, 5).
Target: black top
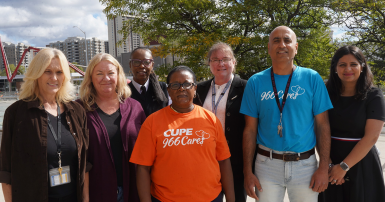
point(348, 117)
point(112, 124)
point(148, 101)
point(348, 120)
point(68, 157)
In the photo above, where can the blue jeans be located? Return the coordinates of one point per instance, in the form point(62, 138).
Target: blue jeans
point(120, 194)
point(275, 176)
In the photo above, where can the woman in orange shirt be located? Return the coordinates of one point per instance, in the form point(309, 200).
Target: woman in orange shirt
point(181, 151)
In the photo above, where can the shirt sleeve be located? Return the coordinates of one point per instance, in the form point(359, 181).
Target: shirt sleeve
point(6, 147)
point(222, 149)
point(249, 104)
point(144, 152)
point(321, 99)
point(375, 108)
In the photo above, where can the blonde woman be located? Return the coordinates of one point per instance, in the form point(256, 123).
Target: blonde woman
point(114, 121)
point(45, 136)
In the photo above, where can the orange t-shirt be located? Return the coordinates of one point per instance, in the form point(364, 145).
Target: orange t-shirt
point(183, 150)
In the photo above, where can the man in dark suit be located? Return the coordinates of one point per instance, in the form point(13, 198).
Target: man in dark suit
point(223, 96)
point(145, 86)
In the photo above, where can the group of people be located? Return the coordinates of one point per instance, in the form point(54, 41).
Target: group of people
point(186, 141)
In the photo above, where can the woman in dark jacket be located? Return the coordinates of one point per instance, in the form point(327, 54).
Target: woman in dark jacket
point(114, 121)
point(226, 107)
point(45, 137)
point(145, 86)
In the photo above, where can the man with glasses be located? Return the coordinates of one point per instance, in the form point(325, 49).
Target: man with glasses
point(286, 114)
point(145, 86)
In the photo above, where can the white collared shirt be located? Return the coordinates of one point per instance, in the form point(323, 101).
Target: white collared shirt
point(221, 109)
point(138, 86)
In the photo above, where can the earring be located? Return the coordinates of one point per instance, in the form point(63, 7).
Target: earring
point(336, 72)
point(361, 70)
point(195, 95)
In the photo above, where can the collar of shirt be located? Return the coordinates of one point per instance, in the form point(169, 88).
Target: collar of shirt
point(221, 110)
point(137, 86)
point(223, 85)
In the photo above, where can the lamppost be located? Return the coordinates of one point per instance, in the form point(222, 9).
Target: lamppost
point(85, 42)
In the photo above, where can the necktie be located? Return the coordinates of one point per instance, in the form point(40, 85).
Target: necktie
point(143, 89)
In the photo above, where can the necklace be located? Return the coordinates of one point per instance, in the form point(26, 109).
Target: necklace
point(177, 111)
point(174, 109)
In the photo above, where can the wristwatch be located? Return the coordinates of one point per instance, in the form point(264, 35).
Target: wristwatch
point(344, 166)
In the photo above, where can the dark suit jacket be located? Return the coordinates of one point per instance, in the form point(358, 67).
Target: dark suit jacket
point(234, 122)
point(148, 102)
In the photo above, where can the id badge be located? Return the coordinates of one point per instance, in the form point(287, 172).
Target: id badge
point(56, 179)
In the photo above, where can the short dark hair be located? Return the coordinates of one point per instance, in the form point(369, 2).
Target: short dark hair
point(140, 48)
point(365, 81)
point(181, 68)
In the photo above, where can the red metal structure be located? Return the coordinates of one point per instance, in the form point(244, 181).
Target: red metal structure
point(8, 70)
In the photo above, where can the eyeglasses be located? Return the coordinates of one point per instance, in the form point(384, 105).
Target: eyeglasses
point(224, 60)
point(145, 62)
point(176, 86)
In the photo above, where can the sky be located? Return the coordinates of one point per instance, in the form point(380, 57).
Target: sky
point(40, 22)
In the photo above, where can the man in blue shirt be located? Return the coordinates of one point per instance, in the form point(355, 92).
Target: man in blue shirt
point(285, 110)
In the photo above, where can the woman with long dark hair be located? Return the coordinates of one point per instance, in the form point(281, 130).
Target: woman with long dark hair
point(356, 121)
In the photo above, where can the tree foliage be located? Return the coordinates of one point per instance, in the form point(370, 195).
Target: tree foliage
point(365, 24)
point(12, 67)
point(188, 28)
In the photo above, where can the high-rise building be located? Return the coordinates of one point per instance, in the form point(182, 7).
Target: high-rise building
point(14, 53)
point(106, 47)
point(74, 48)
point(133, 40)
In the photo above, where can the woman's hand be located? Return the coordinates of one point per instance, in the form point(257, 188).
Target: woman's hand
point(336, 175)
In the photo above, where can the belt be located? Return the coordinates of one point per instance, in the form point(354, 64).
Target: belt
point(287, 157)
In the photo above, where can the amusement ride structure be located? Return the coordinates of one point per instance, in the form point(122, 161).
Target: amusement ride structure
point(11, 76)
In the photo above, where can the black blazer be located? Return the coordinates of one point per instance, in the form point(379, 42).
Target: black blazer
point(149, 102)
point(235, 121)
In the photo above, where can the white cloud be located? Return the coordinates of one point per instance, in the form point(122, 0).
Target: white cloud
point(40, 22)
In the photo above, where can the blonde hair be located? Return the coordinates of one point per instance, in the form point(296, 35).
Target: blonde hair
point(30, 88)
point(223, 47)
point(87, 89)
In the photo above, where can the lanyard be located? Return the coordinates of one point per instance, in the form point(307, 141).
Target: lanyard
point(58, 136)
point(280, 128)
point(215, 106)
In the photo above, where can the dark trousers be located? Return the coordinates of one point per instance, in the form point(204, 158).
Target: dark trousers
point(218, 199)
point(69, 198)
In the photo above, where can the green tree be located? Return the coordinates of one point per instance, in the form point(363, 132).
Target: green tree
point(188, 28)
point(365, 24)
point(12, 67)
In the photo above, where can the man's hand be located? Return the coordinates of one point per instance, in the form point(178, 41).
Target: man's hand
point(252, 182)
point(320, 180)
